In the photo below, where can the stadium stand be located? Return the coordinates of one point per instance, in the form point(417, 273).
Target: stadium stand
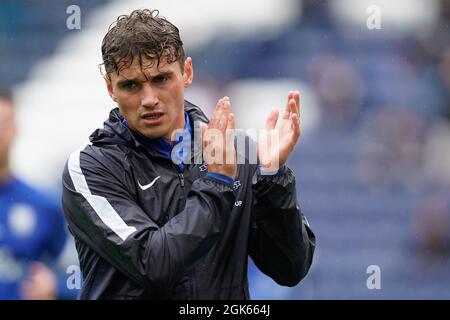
point(363, 165)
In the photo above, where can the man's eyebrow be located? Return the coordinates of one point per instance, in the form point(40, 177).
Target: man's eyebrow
point(163, 73)
point(139, 79)
point(126, 80)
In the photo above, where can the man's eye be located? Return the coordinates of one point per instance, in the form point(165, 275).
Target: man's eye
point(160, 79)
point(129, 85)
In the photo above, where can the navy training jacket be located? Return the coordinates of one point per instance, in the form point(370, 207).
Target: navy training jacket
point(145, 230)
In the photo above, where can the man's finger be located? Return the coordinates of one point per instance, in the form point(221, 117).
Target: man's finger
point(225, 111)
point(288, 110)
point(203, 128)
point(296, 97)
point(290, 107)
point(271, 121)
point(231, 121)
point(230, 157)
point(295, 125)
point(216, 114)
point(290, 96)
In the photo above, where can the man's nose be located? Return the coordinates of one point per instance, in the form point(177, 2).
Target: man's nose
point(149, 96)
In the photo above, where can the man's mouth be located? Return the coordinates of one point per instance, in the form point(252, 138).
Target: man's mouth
point(152, 118)
point(152, 115)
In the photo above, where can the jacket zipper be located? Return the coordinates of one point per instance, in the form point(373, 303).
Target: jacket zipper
point(181, 175)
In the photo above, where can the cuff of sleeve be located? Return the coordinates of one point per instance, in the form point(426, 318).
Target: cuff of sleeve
point(221, 177)
point(265, 172)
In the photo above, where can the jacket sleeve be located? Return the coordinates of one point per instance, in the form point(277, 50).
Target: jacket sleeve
point(101, 213)
point(281, 242)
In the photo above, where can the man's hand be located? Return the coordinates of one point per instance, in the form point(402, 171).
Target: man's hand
point(277, 142)
point(40, 284)
point(218, 140)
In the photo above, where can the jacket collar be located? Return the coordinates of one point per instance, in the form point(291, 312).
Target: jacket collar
point(115, 132)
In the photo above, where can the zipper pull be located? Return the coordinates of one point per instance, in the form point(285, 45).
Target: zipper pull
point(181, 179)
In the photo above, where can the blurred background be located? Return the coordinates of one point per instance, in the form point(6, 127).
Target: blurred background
point(373, 161)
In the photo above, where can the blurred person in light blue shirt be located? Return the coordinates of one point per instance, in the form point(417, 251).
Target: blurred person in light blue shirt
point(32, 229)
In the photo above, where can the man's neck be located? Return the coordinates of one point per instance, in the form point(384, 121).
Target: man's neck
point(181, 125)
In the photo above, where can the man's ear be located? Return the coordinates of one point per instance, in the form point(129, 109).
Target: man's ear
point(188, 74)
point(110, 88)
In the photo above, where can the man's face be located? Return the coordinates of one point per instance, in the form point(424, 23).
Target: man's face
point(7, 128)
point(151, 97)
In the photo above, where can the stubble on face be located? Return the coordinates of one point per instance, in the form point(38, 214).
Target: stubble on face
point(150, 97)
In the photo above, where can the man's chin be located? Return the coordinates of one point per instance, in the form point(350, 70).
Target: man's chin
point(152, 134)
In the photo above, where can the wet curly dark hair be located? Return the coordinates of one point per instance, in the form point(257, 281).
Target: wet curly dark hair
point(141, 34)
